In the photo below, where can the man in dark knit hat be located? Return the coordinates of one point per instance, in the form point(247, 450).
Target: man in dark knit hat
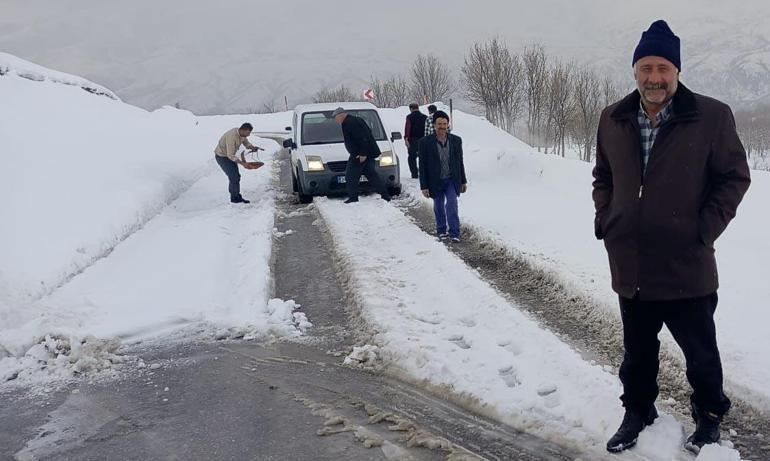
point(670, 172)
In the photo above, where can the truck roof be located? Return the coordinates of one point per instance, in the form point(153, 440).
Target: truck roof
point(302, 108)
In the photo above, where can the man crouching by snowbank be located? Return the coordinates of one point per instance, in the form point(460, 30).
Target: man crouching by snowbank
point(225, 152)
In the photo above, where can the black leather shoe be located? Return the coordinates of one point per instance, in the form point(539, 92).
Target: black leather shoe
point(628, 432)
point(238, 199)
point(706, 431)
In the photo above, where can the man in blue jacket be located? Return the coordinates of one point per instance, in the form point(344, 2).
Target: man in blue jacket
point(363, 149)
point(442, 176)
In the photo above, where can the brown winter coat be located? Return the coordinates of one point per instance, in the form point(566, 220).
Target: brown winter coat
point(659, 230)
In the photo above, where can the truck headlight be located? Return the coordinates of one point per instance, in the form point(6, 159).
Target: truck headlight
point(314, 163)
point(387, 159)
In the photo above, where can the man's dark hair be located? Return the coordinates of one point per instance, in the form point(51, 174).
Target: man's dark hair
point(414, 106)
point(432, 109)
point(247, 126)
point(440, 114)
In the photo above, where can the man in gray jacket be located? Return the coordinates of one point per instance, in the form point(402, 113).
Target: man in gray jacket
point(225, 152)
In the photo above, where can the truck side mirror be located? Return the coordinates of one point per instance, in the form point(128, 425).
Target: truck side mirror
point(289, 143)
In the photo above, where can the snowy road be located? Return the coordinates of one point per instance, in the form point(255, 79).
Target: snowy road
point(237, 399)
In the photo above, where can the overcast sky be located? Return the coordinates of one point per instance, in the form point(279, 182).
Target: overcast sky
point(232, 54)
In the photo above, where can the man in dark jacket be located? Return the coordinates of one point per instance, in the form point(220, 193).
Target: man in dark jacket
point(442, 175)
point(670, 173)
point(414, 130)
point(363, 149)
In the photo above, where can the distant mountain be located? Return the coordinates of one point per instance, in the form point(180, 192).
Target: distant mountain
point(192, 53)
point(719, 59)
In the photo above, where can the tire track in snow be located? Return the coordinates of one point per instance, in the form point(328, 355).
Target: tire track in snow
point(589, 328)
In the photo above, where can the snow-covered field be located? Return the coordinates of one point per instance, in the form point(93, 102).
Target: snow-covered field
point(117, 227)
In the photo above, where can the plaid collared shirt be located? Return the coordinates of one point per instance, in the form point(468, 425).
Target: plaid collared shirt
point(429, 128)
point(648, 133)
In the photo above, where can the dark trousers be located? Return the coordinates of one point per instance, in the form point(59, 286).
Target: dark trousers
point(691, 323)
point(353, 174)
point(412, 159)
point(445, 209)
point(233, 175)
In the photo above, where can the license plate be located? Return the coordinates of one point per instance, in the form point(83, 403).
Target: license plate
point(342, 180)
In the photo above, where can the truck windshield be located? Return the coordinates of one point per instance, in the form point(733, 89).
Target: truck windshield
point(320, 127)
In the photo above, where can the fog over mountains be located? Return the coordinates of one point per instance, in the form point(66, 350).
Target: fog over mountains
point(238, 55)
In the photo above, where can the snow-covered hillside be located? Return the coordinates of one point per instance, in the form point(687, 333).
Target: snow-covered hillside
point(116, 223)
point(11, 65)
point(295, 48)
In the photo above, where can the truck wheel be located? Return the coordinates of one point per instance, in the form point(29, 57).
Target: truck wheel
point(394, 190)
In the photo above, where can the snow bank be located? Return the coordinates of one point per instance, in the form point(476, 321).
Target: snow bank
point(11, 65)
point(117, 227)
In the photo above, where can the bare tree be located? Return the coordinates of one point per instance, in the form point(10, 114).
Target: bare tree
point(431, 79)
point(559, 106)
point(754, 130)
point(587, 103)
point(535, 63)
point(339, 94)
point(476, 80)
point(493, 78)
point(610, 92)
point(393, 92)
point(267, 107)
point(398, 87)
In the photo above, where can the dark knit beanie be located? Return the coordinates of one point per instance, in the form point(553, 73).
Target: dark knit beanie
point(658, 40)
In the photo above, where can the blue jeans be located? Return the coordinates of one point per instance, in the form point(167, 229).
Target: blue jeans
point(233, 175)
point(445, 209)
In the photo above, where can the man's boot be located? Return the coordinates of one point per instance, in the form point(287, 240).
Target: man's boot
point(628, 432)
point(706, 430)
point(238, 199)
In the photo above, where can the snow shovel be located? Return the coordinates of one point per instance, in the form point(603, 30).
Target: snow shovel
point(254, 164)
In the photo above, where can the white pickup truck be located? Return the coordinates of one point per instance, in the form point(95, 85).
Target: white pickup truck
point(318, 154)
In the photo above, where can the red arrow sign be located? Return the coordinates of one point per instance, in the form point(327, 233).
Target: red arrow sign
point(369, 94)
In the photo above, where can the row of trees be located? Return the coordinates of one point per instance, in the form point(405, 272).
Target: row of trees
point(557, 103)
point(428, 80)
point(562, 102)
point(754, 130)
